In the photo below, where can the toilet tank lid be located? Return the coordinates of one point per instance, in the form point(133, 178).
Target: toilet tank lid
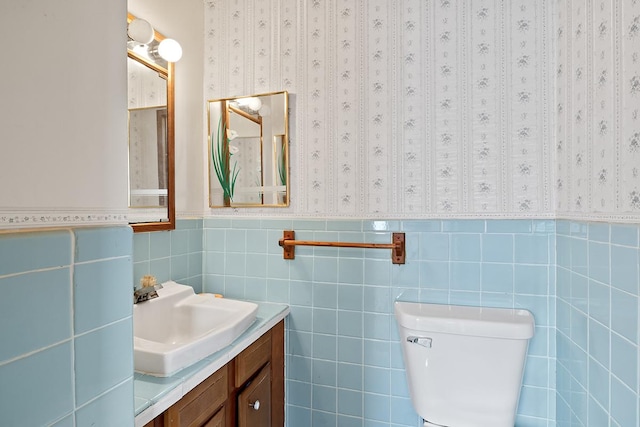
point(464, 320)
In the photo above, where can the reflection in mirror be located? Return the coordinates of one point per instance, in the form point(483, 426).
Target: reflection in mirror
point(249, 151)
point(147, 138)
point(151, 137)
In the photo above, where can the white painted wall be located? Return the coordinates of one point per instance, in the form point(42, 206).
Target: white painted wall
point(63, 117)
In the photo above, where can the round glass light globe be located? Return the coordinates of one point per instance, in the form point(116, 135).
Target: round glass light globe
point(140, 31)
point(254, 103)
point(170, 50)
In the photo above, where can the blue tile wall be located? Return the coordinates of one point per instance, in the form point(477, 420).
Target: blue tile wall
point(66, 327)
point(344, 363)
point(46, 292)
point(171, 255)
point(597, 324)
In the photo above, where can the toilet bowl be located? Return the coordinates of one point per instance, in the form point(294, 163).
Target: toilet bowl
point(464, 365)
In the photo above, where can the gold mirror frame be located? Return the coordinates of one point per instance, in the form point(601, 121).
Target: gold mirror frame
point(248, 145)
point(168, 73)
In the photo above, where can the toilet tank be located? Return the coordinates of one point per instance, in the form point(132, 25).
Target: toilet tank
point(464, 365)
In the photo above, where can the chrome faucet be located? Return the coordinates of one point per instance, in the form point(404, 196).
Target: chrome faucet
point(146, 293)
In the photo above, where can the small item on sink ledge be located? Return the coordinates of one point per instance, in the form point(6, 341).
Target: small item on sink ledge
point(148, 280)
point(206, 294)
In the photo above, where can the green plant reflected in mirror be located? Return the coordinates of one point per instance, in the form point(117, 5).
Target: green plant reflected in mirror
point(249, 151)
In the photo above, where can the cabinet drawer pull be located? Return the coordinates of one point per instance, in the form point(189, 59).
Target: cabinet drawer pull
point(255, 405)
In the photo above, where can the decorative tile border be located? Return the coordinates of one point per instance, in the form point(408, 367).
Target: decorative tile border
point(262, 213)
point(22, 219)
point(36, 219)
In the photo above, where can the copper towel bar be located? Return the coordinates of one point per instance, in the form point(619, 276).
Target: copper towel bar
point(397, 246)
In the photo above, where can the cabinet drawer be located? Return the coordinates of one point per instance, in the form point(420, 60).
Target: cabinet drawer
point(253, 358)
point(197, 406)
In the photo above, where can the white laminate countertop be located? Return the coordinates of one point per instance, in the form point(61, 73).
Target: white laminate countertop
point(154, 395)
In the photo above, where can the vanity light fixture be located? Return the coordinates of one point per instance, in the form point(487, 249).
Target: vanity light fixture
point(252, 102)
point(141, 35)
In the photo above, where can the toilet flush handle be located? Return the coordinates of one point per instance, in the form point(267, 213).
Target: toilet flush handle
point(423, 341)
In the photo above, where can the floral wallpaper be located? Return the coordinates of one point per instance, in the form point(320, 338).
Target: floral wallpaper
point(598, 105)
point(400, 108)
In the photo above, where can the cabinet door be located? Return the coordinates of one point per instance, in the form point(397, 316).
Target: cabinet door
point(254, 402)
point(218, 420)
point(198, 406)
point(156, 422)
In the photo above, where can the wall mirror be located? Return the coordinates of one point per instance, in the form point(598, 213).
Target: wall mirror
point(249, 151)
point(151, 131)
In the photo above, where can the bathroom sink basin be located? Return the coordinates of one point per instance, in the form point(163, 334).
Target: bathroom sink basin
point(179, 328)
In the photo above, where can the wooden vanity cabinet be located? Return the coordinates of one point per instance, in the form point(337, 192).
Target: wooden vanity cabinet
point(247, 391)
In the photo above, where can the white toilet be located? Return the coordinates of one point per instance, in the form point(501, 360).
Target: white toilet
point(464, 365)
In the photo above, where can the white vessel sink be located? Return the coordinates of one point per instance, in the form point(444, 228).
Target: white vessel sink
point(179, 328)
